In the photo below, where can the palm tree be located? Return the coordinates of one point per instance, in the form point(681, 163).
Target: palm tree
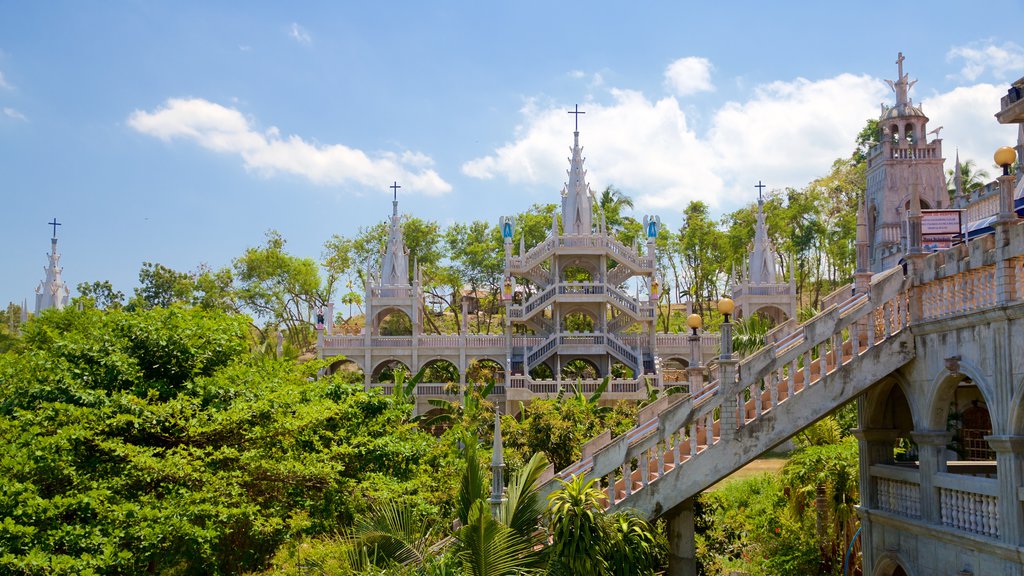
point(611, 202)
point(971, 176)
point(579, 536)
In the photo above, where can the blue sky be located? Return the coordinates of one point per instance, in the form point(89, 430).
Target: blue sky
point(179, 132)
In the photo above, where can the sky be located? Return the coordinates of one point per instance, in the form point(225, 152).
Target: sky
point(180, 132)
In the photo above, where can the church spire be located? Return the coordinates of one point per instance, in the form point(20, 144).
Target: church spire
point(52, 292)
point(577, 200)
point(901, 86)
point(394, 268)
point(763, 268)
point(958, 176)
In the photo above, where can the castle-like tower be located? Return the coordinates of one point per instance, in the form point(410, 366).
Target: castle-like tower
point(901, 164)
point(52, 292)
point(580, 310)
point(761, 285)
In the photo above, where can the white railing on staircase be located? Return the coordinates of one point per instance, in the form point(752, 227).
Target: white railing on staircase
point(777, 373)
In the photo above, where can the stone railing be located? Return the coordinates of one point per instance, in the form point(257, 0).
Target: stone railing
point(469, 341)
point(968, 503)
point(693, 424)
point(391, 291)
point(618, 251)
point(759, 290)
point(897, 490)
point(838, 295)
point(972, 276)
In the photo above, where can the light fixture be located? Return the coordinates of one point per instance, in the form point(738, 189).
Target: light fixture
point(725, 306)
point(694, 322)
point(1005, 157)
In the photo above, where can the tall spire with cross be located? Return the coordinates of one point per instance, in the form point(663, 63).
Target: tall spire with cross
point(577, 198)
point(763, 258)
point(394, 268)
point(52, 292)
point(902, 85)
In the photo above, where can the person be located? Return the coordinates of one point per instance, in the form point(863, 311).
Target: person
point(319, 318)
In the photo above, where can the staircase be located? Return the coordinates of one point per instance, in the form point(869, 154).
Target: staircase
point(685, 444)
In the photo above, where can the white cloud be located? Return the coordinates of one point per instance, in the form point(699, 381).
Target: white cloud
point(980, 57)
point(784, 133)
point(966, 114)
point(266, 152)
point(12, 113)
point(689, 75)
point(3, 82)
point(299, 34)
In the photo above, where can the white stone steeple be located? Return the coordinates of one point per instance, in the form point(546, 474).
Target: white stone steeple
point(577, 199)
point(394, 268)
point(52, 292)
point(763, 267)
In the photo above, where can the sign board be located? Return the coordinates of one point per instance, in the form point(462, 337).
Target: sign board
point(941, 222)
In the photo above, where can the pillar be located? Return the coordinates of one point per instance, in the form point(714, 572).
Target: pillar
point(931, 445)
point(1010, 466)
point(875, 447)
point(682, 549)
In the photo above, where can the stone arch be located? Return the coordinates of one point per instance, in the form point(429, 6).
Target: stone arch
point(440, 370)
point(892, 564)
point(941, 393)
point(579, 319)
point(384, 370)
point(578, 270)
point(673, 369)
point(888, 405)
point(771, 311)
point(542, 371)
point(483, 369)
point(392, 321)
point(580, 367)
point(339, 363)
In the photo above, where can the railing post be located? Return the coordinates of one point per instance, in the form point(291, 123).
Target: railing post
point(1010, 466)
point(931, 445)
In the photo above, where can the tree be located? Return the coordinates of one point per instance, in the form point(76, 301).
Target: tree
point(701, 253)
point(101, 295)
point(611, 202)
point(281, 289)
point(972, 177)
point(160, 287)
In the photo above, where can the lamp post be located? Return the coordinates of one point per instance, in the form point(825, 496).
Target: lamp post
point(1005, 157)
point(695, 372)
point(729, 416)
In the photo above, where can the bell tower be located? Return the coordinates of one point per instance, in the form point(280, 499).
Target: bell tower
point(903, 158)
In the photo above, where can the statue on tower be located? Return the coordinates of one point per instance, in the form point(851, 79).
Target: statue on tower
point(902, 85)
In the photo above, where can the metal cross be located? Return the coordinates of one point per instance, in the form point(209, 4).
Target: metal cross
point(395, 187)
point(577, 113)
point(759, 187)
point(54, 224)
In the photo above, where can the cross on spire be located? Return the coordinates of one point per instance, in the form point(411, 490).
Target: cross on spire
point(899, 62)
point(395, 188)
point(577, 114)
point(760, 187)
point(54, 224)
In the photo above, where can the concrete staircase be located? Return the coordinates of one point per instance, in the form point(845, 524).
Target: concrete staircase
point(686, 443)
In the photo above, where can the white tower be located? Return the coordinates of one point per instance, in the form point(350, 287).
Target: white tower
point(761, 286)
point(52, 292)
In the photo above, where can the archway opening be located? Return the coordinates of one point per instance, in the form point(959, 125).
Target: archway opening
point(440, 371)
point(387, 371)
point(542, 372)
point(576, 273)
point(394, 322)
point(346, 370)
point(620, 371)
point(578, 322)
point(969, 420)
point(485, 370)
point(580, 369)
point(674, 370)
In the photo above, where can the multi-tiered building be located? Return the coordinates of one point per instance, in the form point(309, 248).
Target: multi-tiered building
point(579, 306)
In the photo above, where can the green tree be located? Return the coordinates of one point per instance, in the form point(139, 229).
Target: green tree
point(100, 294)
point(701, 250)
point(972, 177)
point(160, 287)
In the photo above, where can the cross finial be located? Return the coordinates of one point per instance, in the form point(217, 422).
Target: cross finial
point(899, 62)
point(54, 224)
point(577, 114)
point(760, 187)
point(395, 188)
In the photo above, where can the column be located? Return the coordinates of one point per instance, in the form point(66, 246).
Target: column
point(1010, 465)
point(682, 550)
point(931, 446)
point(875, 447)
point(729, 415)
